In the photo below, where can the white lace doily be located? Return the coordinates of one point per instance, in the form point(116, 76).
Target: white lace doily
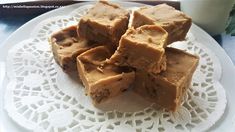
point(41, 97)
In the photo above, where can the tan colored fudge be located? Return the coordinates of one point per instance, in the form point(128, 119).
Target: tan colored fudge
point(101, 80)
point(176, 23)
point(168, 87)
point(104, 23)
point(142, 48)
point(66, 46)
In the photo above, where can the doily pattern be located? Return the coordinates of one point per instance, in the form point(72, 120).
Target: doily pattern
point(41, 97)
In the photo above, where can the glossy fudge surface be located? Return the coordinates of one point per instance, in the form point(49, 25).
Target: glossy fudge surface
point(104, 23)
point(168, 87)
point(142, 48)
point(66, 46)
point(176, 23)
point(101, 80)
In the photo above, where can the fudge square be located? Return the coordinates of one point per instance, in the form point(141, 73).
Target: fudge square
point(66, 46)
point(168, 87)
point(105, 22)
point(101, 80)
point(142, 48)
point(176, 23)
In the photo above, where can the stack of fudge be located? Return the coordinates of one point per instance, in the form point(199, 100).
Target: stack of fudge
point(111, 57)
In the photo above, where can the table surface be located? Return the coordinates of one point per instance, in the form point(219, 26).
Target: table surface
point(9, 23)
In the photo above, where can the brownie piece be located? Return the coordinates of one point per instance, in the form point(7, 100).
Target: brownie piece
point(142, 48)
point(176, 23)
point(104, 23)
point(168, 87)
point(101, 80)
point(66, 46)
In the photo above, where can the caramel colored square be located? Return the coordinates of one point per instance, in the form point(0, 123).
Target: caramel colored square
point(168, 87)
point(142, 48)
point(176, 23)
point(104, 23)
point(66, 46)
point(101, 80)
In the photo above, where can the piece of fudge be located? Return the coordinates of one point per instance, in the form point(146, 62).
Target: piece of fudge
point(66, 46)
point(176, 23)
point(168, 87)
point(104, 23)
point(142, 48)
point(101, 80)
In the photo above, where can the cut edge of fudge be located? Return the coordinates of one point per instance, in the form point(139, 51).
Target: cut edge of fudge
point(171, 88)
point(66, 46)
point(113, 89)
point(95, 29)
point(186, 80)
point(147, 54)
point(160, 91)
point(101, 80)
point(177, 28)
point(85, 58)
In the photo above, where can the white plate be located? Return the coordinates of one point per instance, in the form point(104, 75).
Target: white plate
point(226, 123)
